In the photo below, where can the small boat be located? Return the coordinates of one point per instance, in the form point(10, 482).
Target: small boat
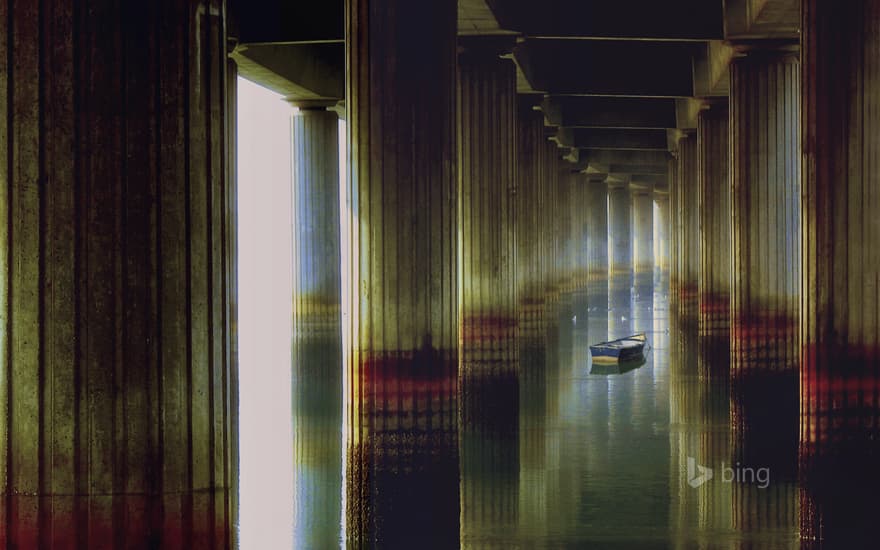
point(622, 350)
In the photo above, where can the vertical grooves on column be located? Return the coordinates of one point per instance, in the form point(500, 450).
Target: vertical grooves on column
point(840, 371)
point(317, 327)
point(530, 152)
point(689, 229)
point(643, 243)
point(714, 208)
point(88, 255)
point(764, 258)
point(620, 258)
point(488, 371)
point(401, 61)
point(662, 239)
point(487, 144)
point(674, 225)
point(765, 218)
point(597, 241)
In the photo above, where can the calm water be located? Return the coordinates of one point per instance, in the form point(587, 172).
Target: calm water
point(601, 461)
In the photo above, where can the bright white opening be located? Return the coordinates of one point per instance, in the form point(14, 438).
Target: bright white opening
point(265, 316)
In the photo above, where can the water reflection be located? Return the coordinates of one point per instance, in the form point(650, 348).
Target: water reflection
point(546, 454)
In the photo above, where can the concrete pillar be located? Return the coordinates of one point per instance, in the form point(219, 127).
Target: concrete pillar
point(597, 242)
point(550, 225)
point(839, 381)
point(317, 325)
point(564, 221)
point(580, 205)
point(620, 256)
point(487, 156)
point(661, 240)
point(402, 431)
point(488, 370)
point(643, 243)
point(764, 201)
point(529, 200)
point(714, 209)
point(673, 225)
point(765, 262)
point(117, 277)
point(688, 226)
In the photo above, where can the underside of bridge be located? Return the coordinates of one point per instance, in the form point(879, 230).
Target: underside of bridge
point(512, 164)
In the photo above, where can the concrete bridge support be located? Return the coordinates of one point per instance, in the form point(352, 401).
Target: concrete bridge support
point(317, 325)
point(840, 346)
point(402, 439)
point(620, 254)
point(643, 243)
point(765, 241)
point(531, 153)
point(487, 156)
point(488, 370)
point(661, 239)
point(688, 225)
point(118, 395)
point(714, 209)
point(674, 232)
point(597, 242)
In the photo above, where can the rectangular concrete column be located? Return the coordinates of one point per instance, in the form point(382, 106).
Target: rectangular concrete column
point(688, 228)
point(487, 156)
point(550, 225)
point(620, 251)
point(840, 331)
point(661, 239)
point(580, 205)
point(564, 221)
point(765, 190)
point(673, 228)
point(643, 243)
point(402, 465)
point(317, 325)
point(489, 369)
point(714, 209)
point(117, 285)
point(764, 201)
point(597, 241)
point(530, 198)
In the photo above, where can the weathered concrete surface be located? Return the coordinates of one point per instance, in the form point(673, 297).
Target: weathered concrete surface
point(840, 347)
point(597, 241)
point(714, 209)
point(643, 242)
point(487, 160)
point(764, 200)
point(620, 253)
point(317, 326)
point(403, 367)
point(688, 228)
point(118, 394)
point(661, 239)
point(531, 157)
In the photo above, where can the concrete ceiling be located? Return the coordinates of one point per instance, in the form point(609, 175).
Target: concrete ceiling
point(619, 78)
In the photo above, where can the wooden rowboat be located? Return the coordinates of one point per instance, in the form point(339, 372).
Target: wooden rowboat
point(622, 350)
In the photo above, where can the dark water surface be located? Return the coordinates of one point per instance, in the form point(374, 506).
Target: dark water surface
point(601, 461)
